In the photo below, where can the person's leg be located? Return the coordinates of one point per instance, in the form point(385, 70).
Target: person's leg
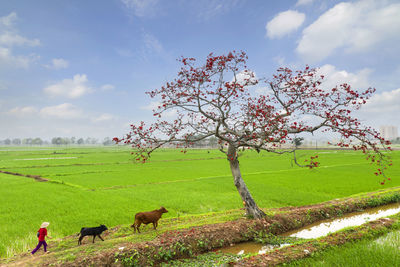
point(45, 246)
point(37, 247)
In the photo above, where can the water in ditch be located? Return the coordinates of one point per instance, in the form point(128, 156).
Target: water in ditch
point(319, 229)
point(325, 227)
point(250, 247)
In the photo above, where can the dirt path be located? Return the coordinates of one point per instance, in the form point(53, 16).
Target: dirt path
point(36, 177)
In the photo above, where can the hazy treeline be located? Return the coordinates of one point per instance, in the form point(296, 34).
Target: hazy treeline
point(56, 141)
point(209, 142)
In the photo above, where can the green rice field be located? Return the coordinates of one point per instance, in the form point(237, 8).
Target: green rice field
point(383, 251)
point(101, 185)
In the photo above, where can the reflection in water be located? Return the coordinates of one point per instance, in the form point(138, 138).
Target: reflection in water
point(325, 227)
point(318, 229)
point(250, 247)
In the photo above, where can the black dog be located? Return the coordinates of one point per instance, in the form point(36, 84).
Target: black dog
point(94, 231)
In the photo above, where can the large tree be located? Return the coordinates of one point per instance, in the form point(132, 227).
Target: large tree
point(219, 99)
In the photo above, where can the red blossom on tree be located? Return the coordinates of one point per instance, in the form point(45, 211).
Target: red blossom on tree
point(216, 99)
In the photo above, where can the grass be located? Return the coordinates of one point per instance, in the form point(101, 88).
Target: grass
point(383, 251)
point(92, 186)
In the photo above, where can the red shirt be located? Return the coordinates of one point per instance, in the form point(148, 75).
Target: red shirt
point(42, 234)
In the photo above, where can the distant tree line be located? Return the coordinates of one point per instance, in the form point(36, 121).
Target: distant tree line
point(56, 141)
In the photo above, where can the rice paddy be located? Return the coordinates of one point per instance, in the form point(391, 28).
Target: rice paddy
point(101, 185)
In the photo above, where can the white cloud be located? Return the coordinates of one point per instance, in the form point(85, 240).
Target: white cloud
point(152, 106)
point(284, 23)
point(209, 9)
point(241, 76)
point(70, 88)
point(354, 27)
point(141, 8)
point(280, 60)
point(304, 2)
point(103, 117)
point(170, 113)
point(7, 59)
point(23, 111)
point(333, 77)
point(62, 111)
point(384, 103)
point(12, 39)
point(107, 87)
point(8, 20)
point(152, 48)
point(152, 43)
point(58, 63)
point(382, 109)
point(57, 120)
point(9, 38)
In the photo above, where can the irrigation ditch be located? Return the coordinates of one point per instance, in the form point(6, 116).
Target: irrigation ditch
point(179, 245)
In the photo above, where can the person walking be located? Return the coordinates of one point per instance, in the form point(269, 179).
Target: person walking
point(42, 233)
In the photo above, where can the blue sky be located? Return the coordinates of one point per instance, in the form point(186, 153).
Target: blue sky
point(81, 68)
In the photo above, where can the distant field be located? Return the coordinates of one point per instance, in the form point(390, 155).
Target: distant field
point(89, 186)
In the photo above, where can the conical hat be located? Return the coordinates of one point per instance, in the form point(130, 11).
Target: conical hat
point(44, 225)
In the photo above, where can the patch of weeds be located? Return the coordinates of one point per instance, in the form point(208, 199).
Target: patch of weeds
point(276, 227)
point(298, 223)
point(89, 250)
point(123, 231)
point(207, 259)
point(127, 259)
point(271, 239)
point(69, 257)
point(308, 215)
point(203, 243)
point(395, 197)
point(324, 214)
point(165, 254)
point(374, 202)
point(63, 245)
point(182, 249)
point(339, 213)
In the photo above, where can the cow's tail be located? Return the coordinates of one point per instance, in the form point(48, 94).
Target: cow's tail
point(80, 231)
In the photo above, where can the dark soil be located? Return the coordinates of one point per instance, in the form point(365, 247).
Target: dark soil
point(36, 177)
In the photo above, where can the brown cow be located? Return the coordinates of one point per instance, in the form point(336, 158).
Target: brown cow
point(148, 217)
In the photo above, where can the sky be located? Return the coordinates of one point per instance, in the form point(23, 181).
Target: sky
point(81, 68)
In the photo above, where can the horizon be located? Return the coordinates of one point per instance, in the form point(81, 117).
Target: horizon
point(81, 68)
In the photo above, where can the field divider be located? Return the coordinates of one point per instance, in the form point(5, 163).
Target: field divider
point(36, 177)
point(64, 165)
point(69, 184)
point(39, 178)
point(165, 182)
point(116, 187)
point(105, 163)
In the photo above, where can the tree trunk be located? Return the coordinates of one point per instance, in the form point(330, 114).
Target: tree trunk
point(251, 207)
